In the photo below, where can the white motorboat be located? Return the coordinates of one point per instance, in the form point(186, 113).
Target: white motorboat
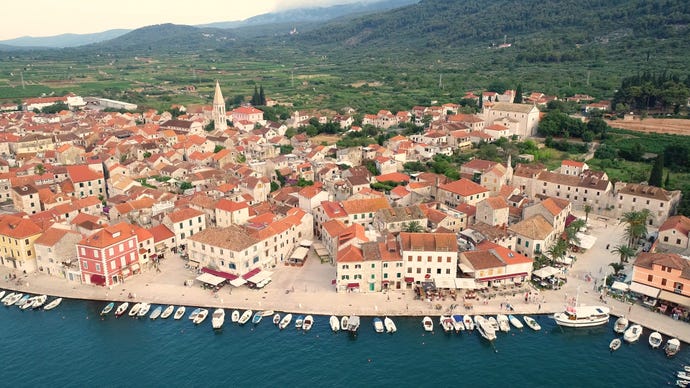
point(156, 313)
point(2, 294)
point(468, 322)
point(200, 316)
point(686, 368)
point(194, 313)
point(633, 333)
point(494, 323)
point(267, 313)
point(13, 298)
point(22, 301)
point(378, 325)
point(53, 304)
point(672, 347)
point(503, 322)
point(621, 325)
point(343, 322)
point(299, 321)
point(218, 318)
point(446, 323)
point(108, 308)
point(245, 317)
point(144, 309)
point(39, 301)
point(485, 328)
point(179, 313)
point(235, 316)
point(121, 308)
point(258, 316)
point(285, 321)
point(353, 324)
point(615, 344)
point(427, 324)
point(389, 325)
point(6, 297)
point(531, 323)
point(26, 302)
point(276, 319)
point(682, 383)
point(457, 323)
point(308, 323)
point(683, 375)
point(515, 321)
point(334, 322)
point(134, 310)
point(167, 312)
point(583, 316)
point(655, 339)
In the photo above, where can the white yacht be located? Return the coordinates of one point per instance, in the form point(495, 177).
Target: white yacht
point(218, 318)
point(484, 328)
point(632, 334)
point(583, 316)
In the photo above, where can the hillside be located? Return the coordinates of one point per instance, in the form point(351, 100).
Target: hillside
point(64, 40)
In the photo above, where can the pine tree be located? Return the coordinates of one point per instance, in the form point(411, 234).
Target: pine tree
point(667, 182)
point(262, 96)
point(657, 174)
point(518, 94)
point(255, 97)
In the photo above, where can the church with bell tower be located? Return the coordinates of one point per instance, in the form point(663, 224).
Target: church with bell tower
point(219, 118)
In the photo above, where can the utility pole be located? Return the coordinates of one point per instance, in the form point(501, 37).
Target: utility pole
point(21, 73)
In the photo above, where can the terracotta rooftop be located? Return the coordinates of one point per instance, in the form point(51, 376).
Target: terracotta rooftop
point(109, 236)
point(431, 242)
point(649, 260)
point(232, 238)
point(535, 228)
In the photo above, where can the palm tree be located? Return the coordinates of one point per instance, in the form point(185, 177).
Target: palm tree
point(412, 227)
point(588, 209)
point(558, 249)
point(617, 268)
point(637, 225)
point(625, 252)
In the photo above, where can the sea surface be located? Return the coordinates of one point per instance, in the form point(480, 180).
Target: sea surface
point(72, 346)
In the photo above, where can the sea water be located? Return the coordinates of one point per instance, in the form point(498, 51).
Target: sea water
point(73, 346)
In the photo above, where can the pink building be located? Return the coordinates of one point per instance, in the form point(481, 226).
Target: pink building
point(109, 256)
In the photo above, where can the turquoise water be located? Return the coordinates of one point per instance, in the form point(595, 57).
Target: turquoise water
point(73, 346)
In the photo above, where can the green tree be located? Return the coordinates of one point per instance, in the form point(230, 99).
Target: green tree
point(656, 176)
point(667, 182)
point(636, 225)
point(624, 252)
point(274, 186)
point(412, 227)
point(518, 94)
point(218, 148)
point(262, 96)
point(558, 250)
point(39, 169)
point(185, 186)
point(147, 155)
point(617, 268)
point(588, 209)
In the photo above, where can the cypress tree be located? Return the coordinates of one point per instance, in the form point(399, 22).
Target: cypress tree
point(255, 97)
point(518, 94)
point(481, 100)
point(657, 174)
point(667, 182)
point(262, 96)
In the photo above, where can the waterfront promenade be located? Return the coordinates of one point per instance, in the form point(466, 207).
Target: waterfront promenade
point(308, 289)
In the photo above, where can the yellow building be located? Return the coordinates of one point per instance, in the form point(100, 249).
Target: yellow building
point(17, 236)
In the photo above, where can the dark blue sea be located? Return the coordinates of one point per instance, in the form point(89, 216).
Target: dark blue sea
point(72, 346)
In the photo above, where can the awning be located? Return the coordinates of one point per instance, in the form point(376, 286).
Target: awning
point(620, 286)
point(135, 267)
point(299, 254)
point(126, 272)
point(465, 268)
point(210, 279)
point(251, 273)
point(644, 289)
point(545, 272)
point(586, 241)
point(352, 285)
point(465, 283)
point(385, 281)
point(445, 283)
point(501, 277)
point(221, 274)
point(564, 260)
point(237, 282)
point(261, 277)
point(675, 298)
point(193, 263)
point(306, 243)
point(409, 280)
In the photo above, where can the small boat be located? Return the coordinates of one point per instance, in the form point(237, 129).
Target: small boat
point(682, 383)
point(167, 312)
point(25, 302)
point(343, 322)
point(299, 321)
point(308, 323)
point(353, 324)
point(200, 316)
point(246, 316)
point(503, 323)
point(457, 323)
point(39, 301)
point(428, 324)
point(378, 325)
point(672, 347)
point(468, 322)
point(655, 340)
point(108, 308)
point(13, 298)
point(494, 323)
point(2, 294)
point(686, 368)
point(6, 297)
point(446, 323)
point(218, 318)
point(179, 313)
point(515, 322)
point(632, 334)
point(134, 310)
point(267, 313)
point(334, 322)
point(285, 321)
point(22, 301)
point(485, 328)
point(156, 313)
point(621, 325)
point(615, 344)
point(145, 307)
point(235, 316)
point(257, 317)
point(532, 323)
point(121, 308)
point(683, 375)
point(389, 325)
point(276, 319)
point(53, 304)
point(194, 313)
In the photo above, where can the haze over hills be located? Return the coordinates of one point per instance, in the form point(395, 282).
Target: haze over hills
point(64, 40)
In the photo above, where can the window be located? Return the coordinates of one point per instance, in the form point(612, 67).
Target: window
point(98, 267)
point(373, 265)
point(346, 266)
point(526, 244)
point(385, 265)
point(399, 274)
point(448, 259)
point(85, 265)
point(438, 271)
point(419, 258)
point(112, 265)
point(519, 241)
point(419, 270)
point(678, 241)
point(373, 276)
point(345, 277)
point(358, 266)
point(232, 266)
point(663, 282)
point(650, 278)
point(111, 251)
point(428, 259)
point(665, 238)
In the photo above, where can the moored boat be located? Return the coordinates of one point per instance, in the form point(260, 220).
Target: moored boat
point(683, 375)
point(285, 321)
point(427, 324)
point(267, 313)
point(6, 297)
point(156, 313)
point(446, 323)
point(672, 347)
point(583, 316)
point(353, 324)
point(531, 323)
point(468, 322)
point(632, 334)
point(308, 323)
point(200, 316)
point(389, 325)
point(276, 319)
point(494, 323)
point(299, 321)
point(134, 310)
point(334, 322)
point(22, 301)
point(245, 317)
point(218, 318)
point(108, 308)
point(257, 317)
point(655, 339)
point(194, 313)
point(53, 304)
point(39, 301)
point(13, 298)
point(515, 321)
point(179, 313)
point(615, 344)
point(682, 383)
point(503, 322)
point(167, 312)
point(235, 316)
point(121, 308)
point(2, 294)
point(25, 302)
point(621, 325)
point(485, 328)
point(457, 323)
point(378, 325)
point(144, 309)
point(343, 322)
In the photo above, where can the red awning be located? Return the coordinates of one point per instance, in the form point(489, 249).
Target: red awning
point(385, 281)
point(501, 277)
point(409, 280)
point(221, 274)
point(352, 285)
point(251, 273)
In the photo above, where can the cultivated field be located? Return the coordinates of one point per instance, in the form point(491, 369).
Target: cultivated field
point(649, 125)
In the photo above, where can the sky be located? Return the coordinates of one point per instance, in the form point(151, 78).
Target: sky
point(51, 17)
